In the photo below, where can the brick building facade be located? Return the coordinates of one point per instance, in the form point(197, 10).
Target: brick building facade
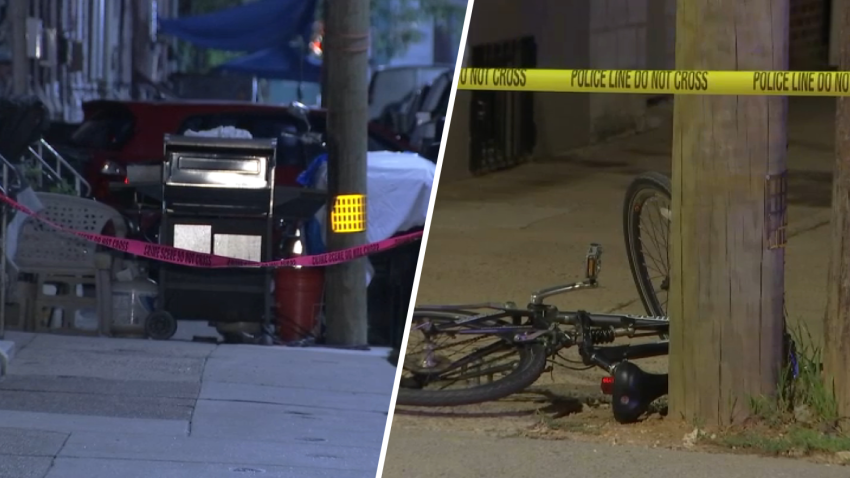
point(809, 34)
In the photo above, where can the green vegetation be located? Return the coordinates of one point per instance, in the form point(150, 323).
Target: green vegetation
point(801, 420)
point(805, 400)
point(34, 175)
point(398, 19)
point(796, 441)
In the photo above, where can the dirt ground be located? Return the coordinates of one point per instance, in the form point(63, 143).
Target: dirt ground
point(501, 236)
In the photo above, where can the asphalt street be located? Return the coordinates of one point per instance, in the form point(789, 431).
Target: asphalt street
point(414, 453)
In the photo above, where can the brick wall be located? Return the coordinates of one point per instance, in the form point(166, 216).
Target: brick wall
point(808, 48)
point(618, 32)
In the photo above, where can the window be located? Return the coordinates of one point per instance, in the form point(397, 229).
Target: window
point(437, 92)
point(443, 107)
point(391, 85)
point(108, 129)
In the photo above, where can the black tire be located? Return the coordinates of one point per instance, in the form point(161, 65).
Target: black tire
point(532, 362)
point(160, 325)
point(640, 191)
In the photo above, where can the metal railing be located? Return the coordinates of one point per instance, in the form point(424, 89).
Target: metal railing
point(62, 166)
point(60, 172)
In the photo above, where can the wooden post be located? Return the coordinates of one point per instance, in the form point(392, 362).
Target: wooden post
point(727, 235)
point(836, 356)
point(347, 30)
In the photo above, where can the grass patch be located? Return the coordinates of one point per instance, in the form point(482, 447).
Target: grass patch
point(795, 441)
point(802, 419)
point(804, 400)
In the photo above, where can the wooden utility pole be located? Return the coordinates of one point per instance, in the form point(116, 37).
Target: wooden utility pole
point(347, 31)
point(836, 357)
point(727, 234)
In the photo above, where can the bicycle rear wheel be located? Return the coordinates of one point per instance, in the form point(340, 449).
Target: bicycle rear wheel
point(646, 226)
point(445, 376)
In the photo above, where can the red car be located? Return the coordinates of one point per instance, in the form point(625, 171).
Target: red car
point(117, 133)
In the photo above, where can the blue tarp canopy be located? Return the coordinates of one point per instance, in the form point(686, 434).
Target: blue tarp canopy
point(261, 25)
point(275, 63)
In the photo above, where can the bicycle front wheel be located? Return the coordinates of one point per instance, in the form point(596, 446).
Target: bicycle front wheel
point(646, 226)
point(444, 368)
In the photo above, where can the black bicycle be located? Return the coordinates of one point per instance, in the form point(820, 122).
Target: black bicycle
point(511, 346)
point(467, 354)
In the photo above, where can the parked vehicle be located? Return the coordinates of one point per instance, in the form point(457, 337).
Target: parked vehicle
point(428, 124)
point(431, 148)
point(392, 84)
point(418, 117)
point(399, 116)
point(117, 133)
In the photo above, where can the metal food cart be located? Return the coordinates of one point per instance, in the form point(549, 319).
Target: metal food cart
point(218, 198)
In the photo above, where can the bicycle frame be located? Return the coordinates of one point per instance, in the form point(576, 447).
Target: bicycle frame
point(631, 388)
point(591, 329)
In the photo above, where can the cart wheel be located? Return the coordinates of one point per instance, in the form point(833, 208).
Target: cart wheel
point(231, 338)
point(265, 339)
point(160, 325)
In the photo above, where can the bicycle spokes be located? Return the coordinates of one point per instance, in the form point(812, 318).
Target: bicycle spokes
point(447, 360)
point(654, 227)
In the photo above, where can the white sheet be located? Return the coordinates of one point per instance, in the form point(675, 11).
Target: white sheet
point(398, 192)
point(221, 132)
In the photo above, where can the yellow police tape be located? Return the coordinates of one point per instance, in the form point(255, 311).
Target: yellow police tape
point(679, 82)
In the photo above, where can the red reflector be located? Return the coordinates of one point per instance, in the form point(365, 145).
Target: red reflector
point(607, 385)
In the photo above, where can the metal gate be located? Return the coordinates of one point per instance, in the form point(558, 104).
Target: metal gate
point(502, 130)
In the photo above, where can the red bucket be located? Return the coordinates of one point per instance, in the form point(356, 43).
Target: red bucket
point(298, 299)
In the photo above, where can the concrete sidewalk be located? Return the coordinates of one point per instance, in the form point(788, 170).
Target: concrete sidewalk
point(75, 407)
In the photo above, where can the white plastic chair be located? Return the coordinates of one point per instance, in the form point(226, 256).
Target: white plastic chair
point(69, 262)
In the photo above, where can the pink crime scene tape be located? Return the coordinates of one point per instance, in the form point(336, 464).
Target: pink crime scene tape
point(185, 257)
